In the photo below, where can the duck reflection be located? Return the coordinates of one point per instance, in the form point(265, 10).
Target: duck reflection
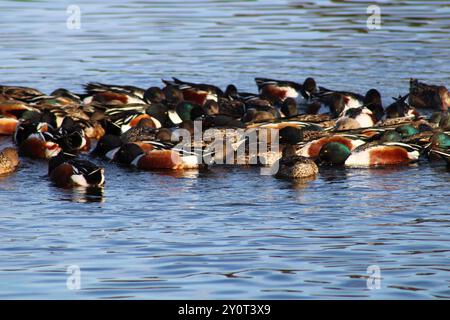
point(85, 194)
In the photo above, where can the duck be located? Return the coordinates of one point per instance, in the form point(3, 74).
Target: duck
point(67, 171)
point(372, 100)
point(289, 108)
point(197, 93)
point(20, 93)
point(400, 108)
point(337, 102)
point(120, 120)
point(71, 137)
point(113, 94)
point(439, 146)
point(282, 123)
point(9, 160)
point(422, 95)
point(370, 154)
point(35, 141)
point(312, 148)
point(132, 154)
point(38, 147)
point(355, 118)
point(107, 146)
point(14, 109)
point(283, 89)
point(292, 166)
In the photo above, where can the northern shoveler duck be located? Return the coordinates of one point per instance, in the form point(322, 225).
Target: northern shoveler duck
point(407, 130)
point(254, 116)
point(281, 89)
point(195, 92)
point(36, 146)
point(114, 94)
point(71, 137)
point(439, 146)
point(289, 108)
point(133, 154)
point(14, 109)
point(443, 154)
point(422, 95)
point(9, 160)
point(400, 108)
point(293, 166)
point(34, 140)
point(372, 100)
point(369, 155)
point(107, 146)
point(232, 108)
point(290, 135)
point(358, 113)
point(338, 101)
point(8, 125)
point(122, 119)
point(66, 171)
point(282, 123)
point(20, 93)
point(354, 118)
point(312, 149)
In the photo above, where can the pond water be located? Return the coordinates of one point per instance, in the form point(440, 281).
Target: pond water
point(227, 232)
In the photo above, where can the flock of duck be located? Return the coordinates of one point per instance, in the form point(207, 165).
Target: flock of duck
point(134, 127)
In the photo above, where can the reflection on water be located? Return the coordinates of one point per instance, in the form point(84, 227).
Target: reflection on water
point(226, 232)
point(83, 195)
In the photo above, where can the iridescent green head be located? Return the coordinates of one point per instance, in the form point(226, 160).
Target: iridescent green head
point(441, 140)
point(184, 110)
point(334, 153)
point(407, 130)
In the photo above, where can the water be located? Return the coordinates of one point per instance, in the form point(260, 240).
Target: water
point(227, 232)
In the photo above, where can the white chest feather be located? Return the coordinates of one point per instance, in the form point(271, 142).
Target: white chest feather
point(358, 159)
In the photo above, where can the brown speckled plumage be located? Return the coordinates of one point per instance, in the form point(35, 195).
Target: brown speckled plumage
point(9, 160)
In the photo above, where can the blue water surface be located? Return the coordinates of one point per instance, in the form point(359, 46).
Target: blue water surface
point(228, 232)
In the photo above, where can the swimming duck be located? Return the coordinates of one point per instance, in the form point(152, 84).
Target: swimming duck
point(71, 137)
point(20, 93)
point(14, 109)
point(9, 160)
point(195, 92)
point(372, 100)
point(281, 89)
point(119, 120)
point(400, 108)
point(338, 101)
point(37, 146)
point(133, 154)
point(289, 108)
point(369, 155)
point(35, 141)
point(66, 171)
point(313, 148)
point(107, 146)
point(354, 118)
point(439, 146)
point(295, 167)
point(422, 95)
point(113, 94)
